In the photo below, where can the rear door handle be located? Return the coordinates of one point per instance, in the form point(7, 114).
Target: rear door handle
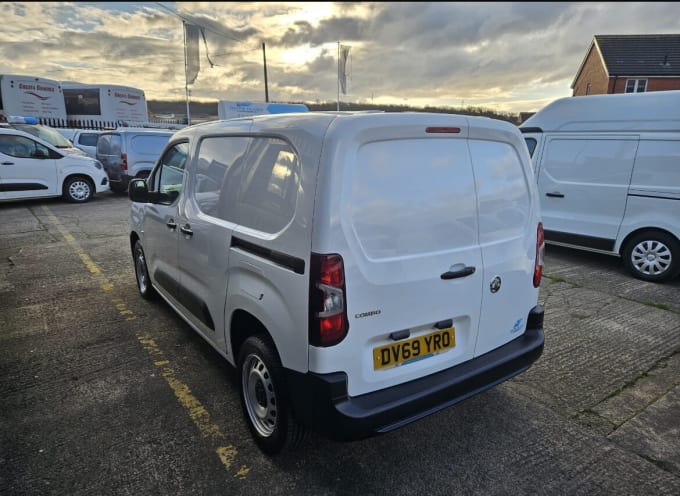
point(8, 163)
point(186, 230)
point(556, 194)
point(455, 274)
point(171, 224)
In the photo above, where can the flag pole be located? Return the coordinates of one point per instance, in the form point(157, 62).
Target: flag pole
point(186, 74)
point(338, 108)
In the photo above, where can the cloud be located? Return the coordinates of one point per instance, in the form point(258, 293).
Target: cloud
point(510, 56)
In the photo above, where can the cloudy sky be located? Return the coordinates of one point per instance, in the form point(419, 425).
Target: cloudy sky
point(508, 56)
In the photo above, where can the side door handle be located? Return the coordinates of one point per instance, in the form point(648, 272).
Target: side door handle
point(7, 163)
point(555, 194)
point(171, 224)
point(186, 230)
point(455, 274)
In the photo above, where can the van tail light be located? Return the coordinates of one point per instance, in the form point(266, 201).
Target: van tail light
point(540, 251)
point(328, 323)
point(123, 161)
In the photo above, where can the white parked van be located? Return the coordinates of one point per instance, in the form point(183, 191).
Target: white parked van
point(361, 271)
point(608, 172)
point(33, 168)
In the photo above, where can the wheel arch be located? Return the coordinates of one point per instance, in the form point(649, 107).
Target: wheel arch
point(243, 325)
point(134, 237)
point(632, 234)
point(81, 175)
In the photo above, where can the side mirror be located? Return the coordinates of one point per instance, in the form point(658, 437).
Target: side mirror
point(138, 191)
point(38, 153)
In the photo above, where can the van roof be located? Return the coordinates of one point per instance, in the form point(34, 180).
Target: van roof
point(651, 111)
point(313, 121)
point(139, 130)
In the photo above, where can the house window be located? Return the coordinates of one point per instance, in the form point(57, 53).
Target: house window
point(636, 85)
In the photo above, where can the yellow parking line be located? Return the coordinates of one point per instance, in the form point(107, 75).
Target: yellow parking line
point(196, 411)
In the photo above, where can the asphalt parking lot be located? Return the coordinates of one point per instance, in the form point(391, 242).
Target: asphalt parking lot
point(104, 393)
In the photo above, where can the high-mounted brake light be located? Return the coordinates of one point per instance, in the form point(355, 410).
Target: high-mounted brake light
point(540, 251)
point(123, 161)
point(328, 323)
point(443, 130)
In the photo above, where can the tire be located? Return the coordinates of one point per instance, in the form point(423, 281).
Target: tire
point(264, 399)
point(78, 189)
point(142, 278)
point(652, 256)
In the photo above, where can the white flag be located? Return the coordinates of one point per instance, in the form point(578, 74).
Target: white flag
point(193, 64)
point(342, 67)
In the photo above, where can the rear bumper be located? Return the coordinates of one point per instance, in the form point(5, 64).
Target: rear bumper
point(320, 401)
point(120, 180)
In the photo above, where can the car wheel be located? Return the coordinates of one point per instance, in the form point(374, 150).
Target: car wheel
point(142, 274)
point(263, 397)
point(78, 189)
point(652, 256)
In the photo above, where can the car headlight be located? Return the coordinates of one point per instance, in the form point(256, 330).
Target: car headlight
point(98, 164)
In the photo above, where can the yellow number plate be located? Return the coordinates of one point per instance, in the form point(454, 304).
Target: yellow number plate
point(411, 350)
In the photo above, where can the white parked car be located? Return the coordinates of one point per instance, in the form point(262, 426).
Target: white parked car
point(33, 168)
point(361, 270)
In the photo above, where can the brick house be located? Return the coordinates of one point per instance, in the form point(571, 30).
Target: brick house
point(629, 64)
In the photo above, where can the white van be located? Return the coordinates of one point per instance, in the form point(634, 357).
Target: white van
point(83, 139)
point(608, 172)
point(361, 270)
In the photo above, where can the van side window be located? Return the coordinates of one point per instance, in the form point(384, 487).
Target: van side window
point(22, 147)
point(596, 161)
point(170, 173)
point(270, 179)
point(149, 144)
point(216, 179)
point(531, 145)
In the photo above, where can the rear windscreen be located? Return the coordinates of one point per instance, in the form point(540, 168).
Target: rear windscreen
point(88, 139)
point(411, 197)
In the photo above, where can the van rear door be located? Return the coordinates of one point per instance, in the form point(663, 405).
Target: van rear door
point(508, 223)
point(403, 215)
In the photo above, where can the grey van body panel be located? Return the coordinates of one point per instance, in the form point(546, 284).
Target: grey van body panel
point(141, 157)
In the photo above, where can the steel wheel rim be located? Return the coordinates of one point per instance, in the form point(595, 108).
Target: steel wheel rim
point(79, 190)
point(651, 257)
point(258, 395)
point(141, 271)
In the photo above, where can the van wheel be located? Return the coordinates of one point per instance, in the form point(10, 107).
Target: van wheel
point(652, 256)
point(142, 274)
point(78, 189)
point(263, 397)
